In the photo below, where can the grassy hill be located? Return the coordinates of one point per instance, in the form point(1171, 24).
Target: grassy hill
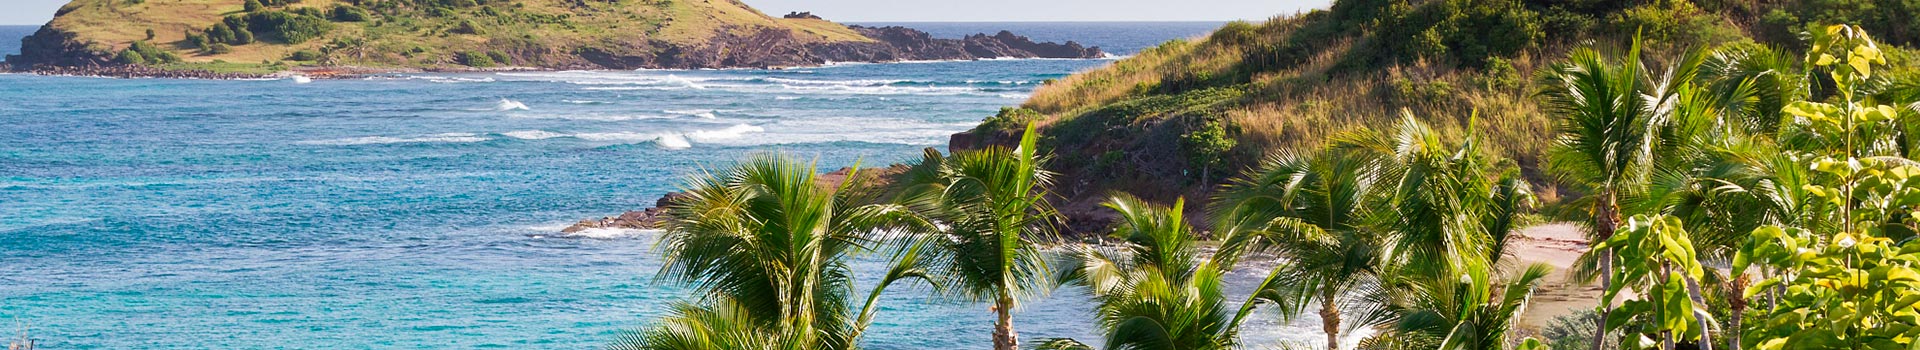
point(1175, 119)
point(414, 33)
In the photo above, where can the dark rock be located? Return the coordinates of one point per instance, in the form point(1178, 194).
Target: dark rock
point(50, 47)
point(800, 15)
point(649, 219)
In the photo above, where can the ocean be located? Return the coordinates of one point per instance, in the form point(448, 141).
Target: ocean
point(422, 210)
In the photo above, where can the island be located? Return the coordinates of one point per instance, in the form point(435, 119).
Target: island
point(238, 38)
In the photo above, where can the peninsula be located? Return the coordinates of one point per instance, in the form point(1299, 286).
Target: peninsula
point(219, 38)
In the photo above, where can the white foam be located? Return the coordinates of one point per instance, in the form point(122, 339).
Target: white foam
point(732, 132)
point(617, 136)
point(608, 233)
point(533, 134)
point(703, 113)
point(865, 82)
point(510, 105)
point(375, 140)
point(685, 82)
point(672, 141)
point(589, 117)
point(300, 79)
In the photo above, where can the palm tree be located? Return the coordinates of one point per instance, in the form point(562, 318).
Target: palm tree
point(1444, 213)
point(1154, 290)
point(768, 250)
point(1471, 311)
point(987, 208)
point(1606, 141)
point(1314, 212)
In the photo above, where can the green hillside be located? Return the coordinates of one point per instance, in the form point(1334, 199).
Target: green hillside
point(252, 35)
point(1179, 117)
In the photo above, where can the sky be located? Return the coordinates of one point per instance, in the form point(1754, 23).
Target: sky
point(36, 12)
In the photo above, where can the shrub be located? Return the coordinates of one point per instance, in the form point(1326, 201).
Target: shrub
point(149, 33)
point(467, 26)
point(220, 33)
point(475, 59)
point(152, 54)
point(1207, 145)
point(1467, 31)
point(500, 58)
point(254, 6)
point(288, 27)
point(304, 55)
point(242, 37)
point(348, 13)
point(309, 12)
point(198, 41)
point(218, 49)
point(1677, 22)
point(1779, 27)
point(1009, 118)
point(129, 56)
point(1235, 33)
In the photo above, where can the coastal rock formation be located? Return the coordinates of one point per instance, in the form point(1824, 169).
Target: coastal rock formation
point(648, 219)
point(118, 38)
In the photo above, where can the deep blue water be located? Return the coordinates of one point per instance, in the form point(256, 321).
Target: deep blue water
point(10, 39)
point(422, 211)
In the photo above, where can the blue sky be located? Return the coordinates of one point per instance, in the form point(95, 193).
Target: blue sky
point(36, 12)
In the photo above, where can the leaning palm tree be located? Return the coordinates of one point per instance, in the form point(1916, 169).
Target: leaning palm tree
point(1154, 290)
point(987, 208)
point(767, 251)
point(1315, 213)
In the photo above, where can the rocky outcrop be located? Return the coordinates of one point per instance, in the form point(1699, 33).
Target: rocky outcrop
point(907, 44)
point(49, 48)
point(648, 219)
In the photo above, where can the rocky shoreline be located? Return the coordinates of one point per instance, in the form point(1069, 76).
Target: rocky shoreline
point(52, 52)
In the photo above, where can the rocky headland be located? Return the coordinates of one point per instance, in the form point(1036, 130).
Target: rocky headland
point(177, 40)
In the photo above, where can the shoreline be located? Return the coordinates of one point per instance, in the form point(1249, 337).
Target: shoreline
point(356, 72)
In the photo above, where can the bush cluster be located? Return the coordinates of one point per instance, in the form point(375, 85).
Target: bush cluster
point(141, 53)
point(478, 59)
point(1009, 118)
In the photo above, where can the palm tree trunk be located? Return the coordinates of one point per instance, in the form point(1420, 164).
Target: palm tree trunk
point(1605, 219)
point(1700, 313)
point(1330, 320)
point(1003, 336)
point(1737, 305)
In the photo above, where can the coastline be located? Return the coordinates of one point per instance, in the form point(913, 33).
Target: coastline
point(357, 72)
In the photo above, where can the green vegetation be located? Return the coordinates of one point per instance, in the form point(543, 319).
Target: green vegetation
point(769, 253)
point(989, 209)
point(1155, 290)
point(142, 53)
point(422, 33)
point(1296, 81)
point(1735, 196)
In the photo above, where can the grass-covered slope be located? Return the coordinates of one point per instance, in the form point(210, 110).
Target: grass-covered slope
point(1176, 118)
point(415, 33)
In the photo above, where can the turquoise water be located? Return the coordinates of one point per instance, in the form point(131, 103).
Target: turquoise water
point(422, 211)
